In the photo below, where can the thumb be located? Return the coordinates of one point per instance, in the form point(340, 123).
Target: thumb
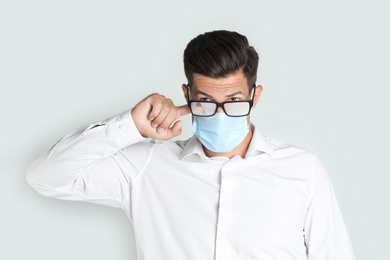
point(175, 130)
point(183, 110)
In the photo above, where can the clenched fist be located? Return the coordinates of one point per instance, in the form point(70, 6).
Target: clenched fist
point(156, 117)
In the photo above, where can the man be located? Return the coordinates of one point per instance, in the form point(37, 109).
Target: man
point(226, 193)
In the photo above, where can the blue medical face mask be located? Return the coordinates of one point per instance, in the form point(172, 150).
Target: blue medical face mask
point(220, 133)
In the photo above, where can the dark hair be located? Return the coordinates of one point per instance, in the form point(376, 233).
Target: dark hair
point(218, 54)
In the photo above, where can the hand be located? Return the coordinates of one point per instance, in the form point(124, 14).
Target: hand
point(155, 117)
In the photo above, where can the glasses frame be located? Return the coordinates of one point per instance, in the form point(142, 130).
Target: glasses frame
point(222, 104)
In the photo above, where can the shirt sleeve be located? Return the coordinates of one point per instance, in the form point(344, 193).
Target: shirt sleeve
point(326, 235)
point(82, 166)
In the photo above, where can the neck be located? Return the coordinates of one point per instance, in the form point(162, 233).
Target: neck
point(240, 150)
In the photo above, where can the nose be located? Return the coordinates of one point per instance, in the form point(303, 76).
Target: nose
point(220, 110)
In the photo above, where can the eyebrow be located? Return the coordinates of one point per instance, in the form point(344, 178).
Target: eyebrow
point(230, 95)
point(236, 93)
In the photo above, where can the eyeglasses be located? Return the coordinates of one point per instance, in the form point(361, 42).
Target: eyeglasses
point(209, 108)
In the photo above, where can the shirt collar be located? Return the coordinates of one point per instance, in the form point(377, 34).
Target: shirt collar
point(193, 146)
point(259, 144)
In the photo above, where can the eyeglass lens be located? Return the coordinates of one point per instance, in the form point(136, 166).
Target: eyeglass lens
point(231, 109)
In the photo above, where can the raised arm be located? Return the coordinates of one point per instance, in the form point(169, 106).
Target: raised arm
point(86, 165)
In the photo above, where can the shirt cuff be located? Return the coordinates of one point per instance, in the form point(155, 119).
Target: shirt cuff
point(123, 129)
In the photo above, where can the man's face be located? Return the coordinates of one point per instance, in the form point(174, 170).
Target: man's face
point(231, 88)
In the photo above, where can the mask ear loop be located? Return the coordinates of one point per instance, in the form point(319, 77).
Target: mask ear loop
point(188, 92)
point(254, 91)
point(253, 96)
point(188, 97)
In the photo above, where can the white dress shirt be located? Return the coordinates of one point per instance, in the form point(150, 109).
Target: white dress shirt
point(277, 203)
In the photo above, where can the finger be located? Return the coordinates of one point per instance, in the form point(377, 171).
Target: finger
point(156, 106)
point(161, 117)
point(176, 128)
point(174, 131)
point(173, 115)
point(168, 120)
point(183, 110)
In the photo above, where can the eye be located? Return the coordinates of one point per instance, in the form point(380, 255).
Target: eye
point(235, 99)
point(204, 99)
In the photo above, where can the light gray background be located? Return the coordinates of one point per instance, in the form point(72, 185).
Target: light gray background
point(324, 67)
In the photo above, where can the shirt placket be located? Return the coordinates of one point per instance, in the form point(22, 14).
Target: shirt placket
point(222, 248)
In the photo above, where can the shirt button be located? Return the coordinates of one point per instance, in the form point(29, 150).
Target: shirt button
point(118, 118)
point(121, 126)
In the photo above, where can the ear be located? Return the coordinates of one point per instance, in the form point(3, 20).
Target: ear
point(185, 89)
point(259, 89)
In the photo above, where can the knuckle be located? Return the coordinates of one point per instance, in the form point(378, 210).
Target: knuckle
point(166, 109)
point(154, 95)
point(157, 106)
